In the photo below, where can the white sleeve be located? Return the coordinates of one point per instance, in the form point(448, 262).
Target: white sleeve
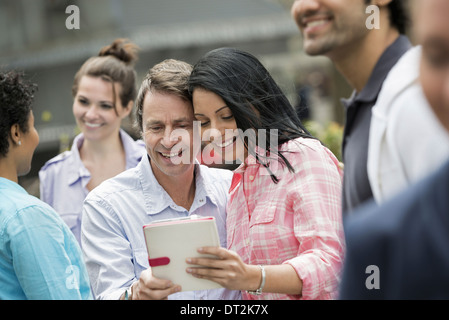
point(107, 251)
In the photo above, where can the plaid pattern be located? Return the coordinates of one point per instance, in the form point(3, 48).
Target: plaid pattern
point(297, 221)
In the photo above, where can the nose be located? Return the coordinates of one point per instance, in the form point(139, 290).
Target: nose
point(215, 132)
point(301, 8)
point(170, 138)
point(91, 112)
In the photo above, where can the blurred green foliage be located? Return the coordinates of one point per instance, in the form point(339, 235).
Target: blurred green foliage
point(331, 135)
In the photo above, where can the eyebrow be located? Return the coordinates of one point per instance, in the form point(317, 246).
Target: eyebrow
point(216, 111)
point(153, 122)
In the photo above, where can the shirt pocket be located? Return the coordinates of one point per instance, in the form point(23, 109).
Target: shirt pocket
point(262, 237)
point(140, 261)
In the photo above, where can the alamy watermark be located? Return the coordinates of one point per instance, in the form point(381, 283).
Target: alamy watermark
point(73, 20)
point(373, 280)
point(373, 21)
point(232, 144)
point(72, 282)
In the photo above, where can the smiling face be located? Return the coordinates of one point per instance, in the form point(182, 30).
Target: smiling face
point(330, 25)
point(218, 126)
point(94, 111)
point(167, 122)
point(432, 26)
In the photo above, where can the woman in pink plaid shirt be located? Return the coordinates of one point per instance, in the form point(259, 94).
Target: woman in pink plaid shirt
point(284, 223)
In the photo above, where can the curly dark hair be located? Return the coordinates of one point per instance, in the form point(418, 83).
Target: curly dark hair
point(16, 97)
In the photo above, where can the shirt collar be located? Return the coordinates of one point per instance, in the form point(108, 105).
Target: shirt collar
point(77, 170)
point(387, 60)
point(157, 199)
point(134, 150)
point(11, 185)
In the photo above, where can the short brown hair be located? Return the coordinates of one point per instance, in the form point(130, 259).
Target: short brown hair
point(114, 63)
point(169, 76)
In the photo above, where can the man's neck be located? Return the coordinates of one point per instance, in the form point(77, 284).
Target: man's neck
point(356, 62)
point(180, 188)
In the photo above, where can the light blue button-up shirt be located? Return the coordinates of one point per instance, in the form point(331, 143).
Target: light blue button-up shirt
point(115, 212)
point(64, 178)
point(39, 256)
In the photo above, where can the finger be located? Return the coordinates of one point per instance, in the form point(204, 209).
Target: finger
point(206, 273)
point(155, 283)
point(221, 253)
point(151, 294)
point(206, 262)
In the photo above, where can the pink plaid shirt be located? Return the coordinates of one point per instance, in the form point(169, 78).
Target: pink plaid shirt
point(296, 221)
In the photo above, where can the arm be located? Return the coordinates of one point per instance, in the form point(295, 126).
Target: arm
point(47, 259)
point(230, 272)
point(107, 252)
point(316, 202)
point(313, 200)
point(109, 257)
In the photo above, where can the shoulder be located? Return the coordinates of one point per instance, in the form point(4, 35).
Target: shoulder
point(216, 181)
point(401, 82)
point(303, 153)
point(215, 177)
point(126, 181)
point(57, 161)
point(426, 201)
point(215, 174)
point(134, 146)
point(396, 237)
point(26, 211)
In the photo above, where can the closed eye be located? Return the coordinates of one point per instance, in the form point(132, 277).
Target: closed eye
point(228, 118)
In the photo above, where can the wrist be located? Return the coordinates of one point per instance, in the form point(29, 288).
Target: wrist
point(259, 281)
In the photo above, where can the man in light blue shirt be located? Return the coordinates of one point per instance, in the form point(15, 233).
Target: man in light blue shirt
point(162, 186)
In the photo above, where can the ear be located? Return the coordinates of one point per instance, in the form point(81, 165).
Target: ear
point(16, 134)
point(382, 3)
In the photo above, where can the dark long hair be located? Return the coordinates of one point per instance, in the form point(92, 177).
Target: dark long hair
point(248, 89)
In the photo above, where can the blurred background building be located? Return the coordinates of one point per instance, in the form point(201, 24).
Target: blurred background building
point(34, 38)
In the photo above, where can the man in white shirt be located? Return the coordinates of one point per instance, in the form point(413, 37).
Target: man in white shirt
point(406, 140)
point(162, 186)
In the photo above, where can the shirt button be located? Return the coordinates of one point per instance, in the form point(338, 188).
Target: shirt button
point(247, 242)
point(251, 178)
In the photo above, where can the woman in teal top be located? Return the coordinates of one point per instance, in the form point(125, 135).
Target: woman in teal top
point(39, 256)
